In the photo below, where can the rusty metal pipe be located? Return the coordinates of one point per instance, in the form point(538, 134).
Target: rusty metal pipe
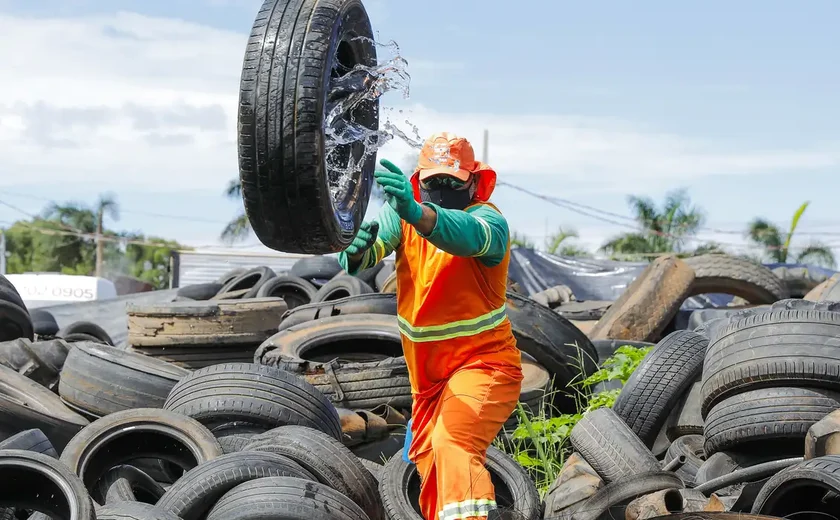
point(675, 464)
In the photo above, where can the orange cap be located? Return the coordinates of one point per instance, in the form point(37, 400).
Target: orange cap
point(446, 154)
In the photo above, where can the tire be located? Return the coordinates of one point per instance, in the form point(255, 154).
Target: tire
point(138, 434)
point(341, 287)
point(26, 405)
point(724, 274)
point(806, 486)
point(375, 303)
point(649, 303)
point(230, 276)
point(246, 285)
point(102, 380)
point(192, 496)
point(690, 447)
point(198, 356)
point(535, 384)
point(282, 116)
point(369, 275)
point(373, 468)
point(253, 394)
point(234, 443)
point(775, 348)
point(609, 501)
point(37, 482)
point(86, 327)
point(689, 420)
point(287, 498)
point(382, 276)
point(828, 290)
point(725, 462)
point(127, 484)
point(10, 294)
point(399, 486)
point(294, 290)
point(133, 511)
point(15, 322)
point(659, 382)
point(40, 361)
point(200, 291)
point(606, 347)
point(43, 322)
point(776, 419)
point(316, 268)
point(30, 440)
point(327, 459)
point(610, 446)
point(390, 284)
point(554, 343)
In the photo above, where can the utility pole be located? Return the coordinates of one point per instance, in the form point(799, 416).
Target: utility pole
point(2, 252)
point(100, 246)
point(486, 151)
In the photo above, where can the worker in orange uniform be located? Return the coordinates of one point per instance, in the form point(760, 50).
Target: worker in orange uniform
point(452, 254)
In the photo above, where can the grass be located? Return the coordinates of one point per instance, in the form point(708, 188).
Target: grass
point(540, 443)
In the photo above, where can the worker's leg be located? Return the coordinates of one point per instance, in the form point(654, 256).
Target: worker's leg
point(423, 419)
point(475, 404)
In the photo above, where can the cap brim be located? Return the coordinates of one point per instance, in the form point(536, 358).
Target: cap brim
point(432, 172)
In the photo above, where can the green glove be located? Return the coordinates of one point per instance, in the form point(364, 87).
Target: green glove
point(398, 192)
point(364, 239)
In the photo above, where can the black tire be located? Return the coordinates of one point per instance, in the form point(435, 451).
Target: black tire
point(24, 405)
point(133, 511)
point(127, 484)
point(234, 443)
point(40, 361)
point(380, 451)
point(87, 328)
point(382, 276)
point(607, 347)
point(230, 276)
point(341, 287)
point(690, 447)
point(294, 290)
point(812, 485)
point(375, 303)
point(138, 434)
point(609, 501)
point(399, 486)
point(369, 275)
point(775, 348)
point(282, 116)
point(192, 496)
point(253, 394)
point(10, 294)
point(689, 421)
point(200, 291)
point(610, 446)
point(723, 463)
point(43, 322)
point(659, 382)
point(30, 440)
point(554, 342)
point(724, 274)
point(287, 498)
point(37, 482)
point(316, 268)
point(246, 285)
point(777, 419)
point(15, 322)
point(102, 380)
point(328, 460)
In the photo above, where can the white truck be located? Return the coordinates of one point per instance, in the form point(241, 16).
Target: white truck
point(48, 289)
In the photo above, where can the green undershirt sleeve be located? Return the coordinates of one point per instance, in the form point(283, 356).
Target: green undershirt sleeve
point(480, 231)
point(387, 241)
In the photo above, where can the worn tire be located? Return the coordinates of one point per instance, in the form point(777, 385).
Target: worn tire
point(287, 498)
point(802, 487)
point(649, 303)
point(724, 274)
point(102, 380)
point(609, 501)
point(133, 511)
point(30, 440)
point(199, 291)
point(659, 382)
point(690, 447)
point(246, 285)
point(689, 419)
point(38, 482)
point(294, 290)
point(399, 484)
point(316, 268)
point(383, 275)
point(327, 459)
point(610, 446)
point(86, 327)
point(828, 290)
point(43, 322)
point(775, 348)
point(286, 185)
point(15, 322)
point(389, 285)
point(341, 287)
point(556, 344)
point(253, 394)
point(192, 496)
point(777, 419)
point(138, 434)
point(127, 484)
point(230, 276)
point(24, 405)
point(375, 303)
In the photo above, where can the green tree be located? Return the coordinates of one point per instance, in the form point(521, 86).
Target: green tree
point(776, 243)
point(518, 239)
point(557, 244)
point(239, 228)
point(107, 204)
point(150, 263)
point(661, 230)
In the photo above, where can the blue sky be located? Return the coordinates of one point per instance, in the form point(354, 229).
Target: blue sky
point(734, 101)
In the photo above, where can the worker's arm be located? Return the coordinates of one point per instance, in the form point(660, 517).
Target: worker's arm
point(479, 231)
point(387, 241)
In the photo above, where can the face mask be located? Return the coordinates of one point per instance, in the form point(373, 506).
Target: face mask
point(448, 193)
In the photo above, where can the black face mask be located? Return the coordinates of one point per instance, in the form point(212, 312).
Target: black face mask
point(448, 195)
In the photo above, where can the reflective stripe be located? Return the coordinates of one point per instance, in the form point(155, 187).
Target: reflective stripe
point(467, 509)
point(378, 250)
point(456, 329)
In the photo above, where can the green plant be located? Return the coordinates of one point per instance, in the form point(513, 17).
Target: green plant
point(776, 243)
point(540, 443)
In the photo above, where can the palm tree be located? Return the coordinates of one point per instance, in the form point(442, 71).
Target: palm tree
point(661, 231)
point(557, 244)
point(518, 239)
point(238, 228)
point(106, 204)
point(776, 244)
